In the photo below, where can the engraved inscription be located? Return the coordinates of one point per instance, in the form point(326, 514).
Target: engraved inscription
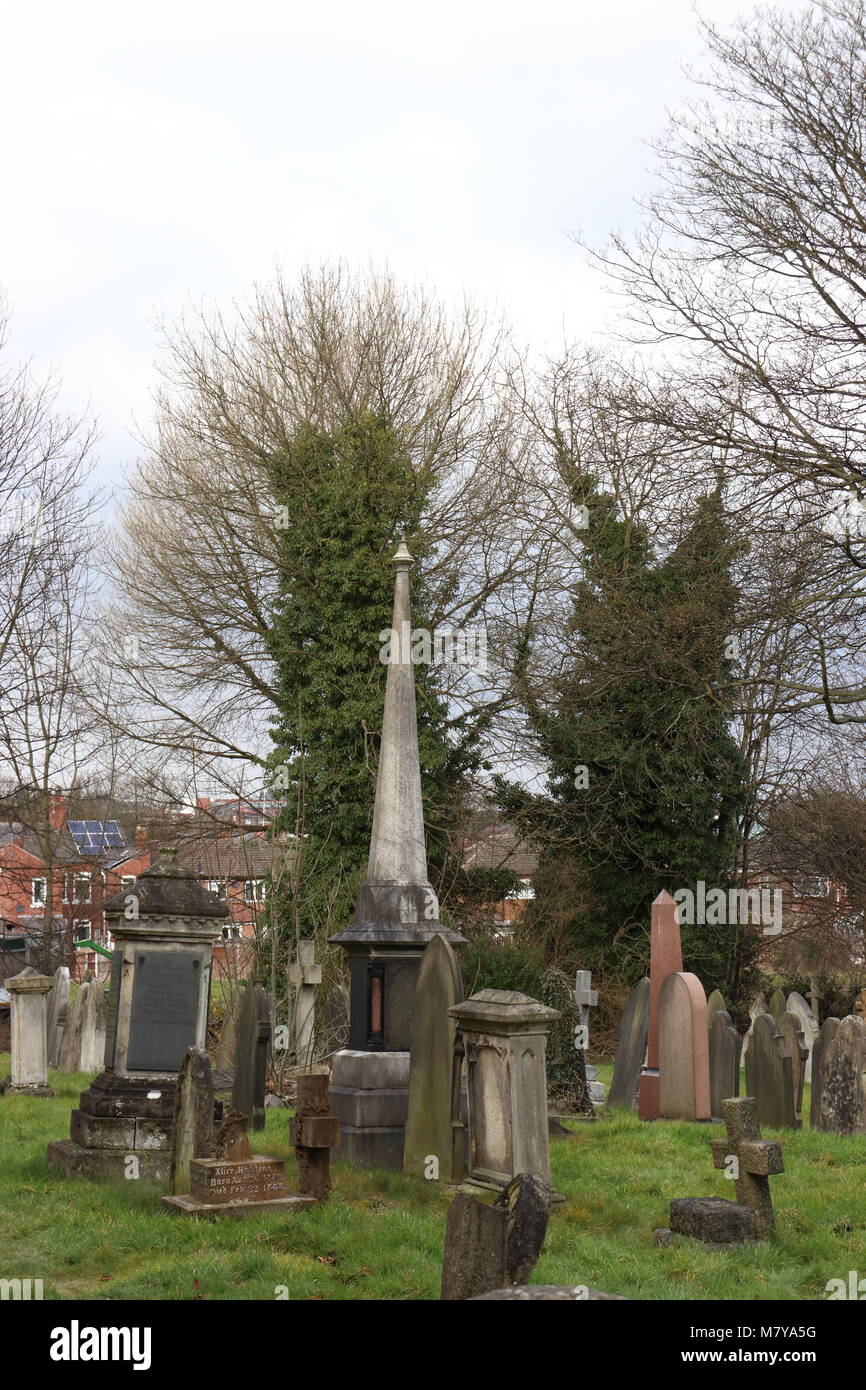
point(165, 998)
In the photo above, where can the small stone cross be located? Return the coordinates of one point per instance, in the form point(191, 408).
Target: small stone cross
point(586, 998)
point(314, 1132)
point(305, 975)
point(755, 1159)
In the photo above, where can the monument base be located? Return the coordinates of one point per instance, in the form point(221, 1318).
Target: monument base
point(370, 1097)
point(8, 1088)
point(188, 1206)
point(119, 1118)
point(76, 1161)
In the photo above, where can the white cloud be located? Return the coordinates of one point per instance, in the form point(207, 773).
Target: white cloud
point(157, 152)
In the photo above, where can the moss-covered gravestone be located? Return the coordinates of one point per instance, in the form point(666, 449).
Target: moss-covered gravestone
point(770, 1076)
point(434, 1141)
point(829, 1029)
point(631, 1049)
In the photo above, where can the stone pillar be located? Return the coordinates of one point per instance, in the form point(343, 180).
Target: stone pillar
point(397, 913)
point(505, 1039)
point(29, 1075)
point(164, 934)
point(666, 958)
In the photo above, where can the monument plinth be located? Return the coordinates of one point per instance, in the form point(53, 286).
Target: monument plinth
point(164, 932)
point(29, 1029)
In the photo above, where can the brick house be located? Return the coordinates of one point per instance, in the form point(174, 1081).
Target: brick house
point(236, 865)
point(86, 862)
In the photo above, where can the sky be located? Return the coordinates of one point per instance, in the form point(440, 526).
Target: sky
point(160, 154)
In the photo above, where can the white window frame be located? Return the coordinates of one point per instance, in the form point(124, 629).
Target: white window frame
point(257, 889)
point(82, 878)
point(34, 901)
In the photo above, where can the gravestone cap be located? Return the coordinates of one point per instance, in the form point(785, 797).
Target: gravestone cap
point(29, 981)
point(503, 1006)
point(167, 889)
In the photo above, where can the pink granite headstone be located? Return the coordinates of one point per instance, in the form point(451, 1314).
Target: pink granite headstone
point(684, 1056)
point(666, 957)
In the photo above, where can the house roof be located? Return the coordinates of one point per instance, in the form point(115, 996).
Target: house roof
point(501, 848)
point(235, 856)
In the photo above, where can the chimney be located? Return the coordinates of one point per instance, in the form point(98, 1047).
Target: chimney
point(56, 810)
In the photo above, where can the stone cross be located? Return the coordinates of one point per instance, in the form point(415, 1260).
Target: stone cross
point(304, 974)
point(314, 1131)
point(754, 1159)
point(586, 998)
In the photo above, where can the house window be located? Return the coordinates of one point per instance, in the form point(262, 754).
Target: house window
point(39, 890)
point(81, 931)
point(82, 888)
point(218, 887)
point(810, 886)
point(254, 890)
point(233, 933)
point(127, 882)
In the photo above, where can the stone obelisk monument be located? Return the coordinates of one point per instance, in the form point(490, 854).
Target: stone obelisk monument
point(397, 913)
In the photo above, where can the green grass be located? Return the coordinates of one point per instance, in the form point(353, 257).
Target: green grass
point(380, 1236)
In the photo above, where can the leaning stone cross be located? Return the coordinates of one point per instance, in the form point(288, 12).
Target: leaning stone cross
point(754, 1159)
point(305, 975)
point(586, 998)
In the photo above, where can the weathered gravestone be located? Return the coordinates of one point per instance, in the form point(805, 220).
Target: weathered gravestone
point(798, 1006)
point(94, 1023)
point(160, 986)
point(193, 1131)
point(236, 1182)
point(750, 1160)
point(756, 1159)
point(829, 1029)
point(505, 1038)
point(58, 1001)
point(789, 1027)
point(843, 1080)
point(29, 1044)
point(434, 1144)
point(305, 975)
point(715, 1005)
point(226, 1049)
point(488, 1247)
point(725, 1046)
point(684, 1062)
point(631, 1049)
point(70, 1046)
point(770, 1075)
point(314, 1131)
point(666, 958)
point(251, 1056)
point(778, 1004)
point(758, 1007)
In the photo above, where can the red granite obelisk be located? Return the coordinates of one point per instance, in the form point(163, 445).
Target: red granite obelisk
point(666, 956)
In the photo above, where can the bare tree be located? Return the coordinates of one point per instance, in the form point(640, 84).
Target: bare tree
point(750, 267)
point(197, 563)
point(48, 533)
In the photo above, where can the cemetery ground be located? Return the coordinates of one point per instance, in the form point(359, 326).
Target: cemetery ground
point(381, 1234)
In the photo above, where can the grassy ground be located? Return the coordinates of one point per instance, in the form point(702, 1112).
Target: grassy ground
point(380, 1236)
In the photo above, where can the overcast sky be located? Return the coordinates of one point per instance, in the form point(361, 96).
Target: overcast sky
point(161, 152)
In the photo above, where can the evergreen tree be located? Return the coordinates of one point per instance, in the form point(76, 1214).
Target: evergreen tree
point(645, 781)
point(347, 498)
